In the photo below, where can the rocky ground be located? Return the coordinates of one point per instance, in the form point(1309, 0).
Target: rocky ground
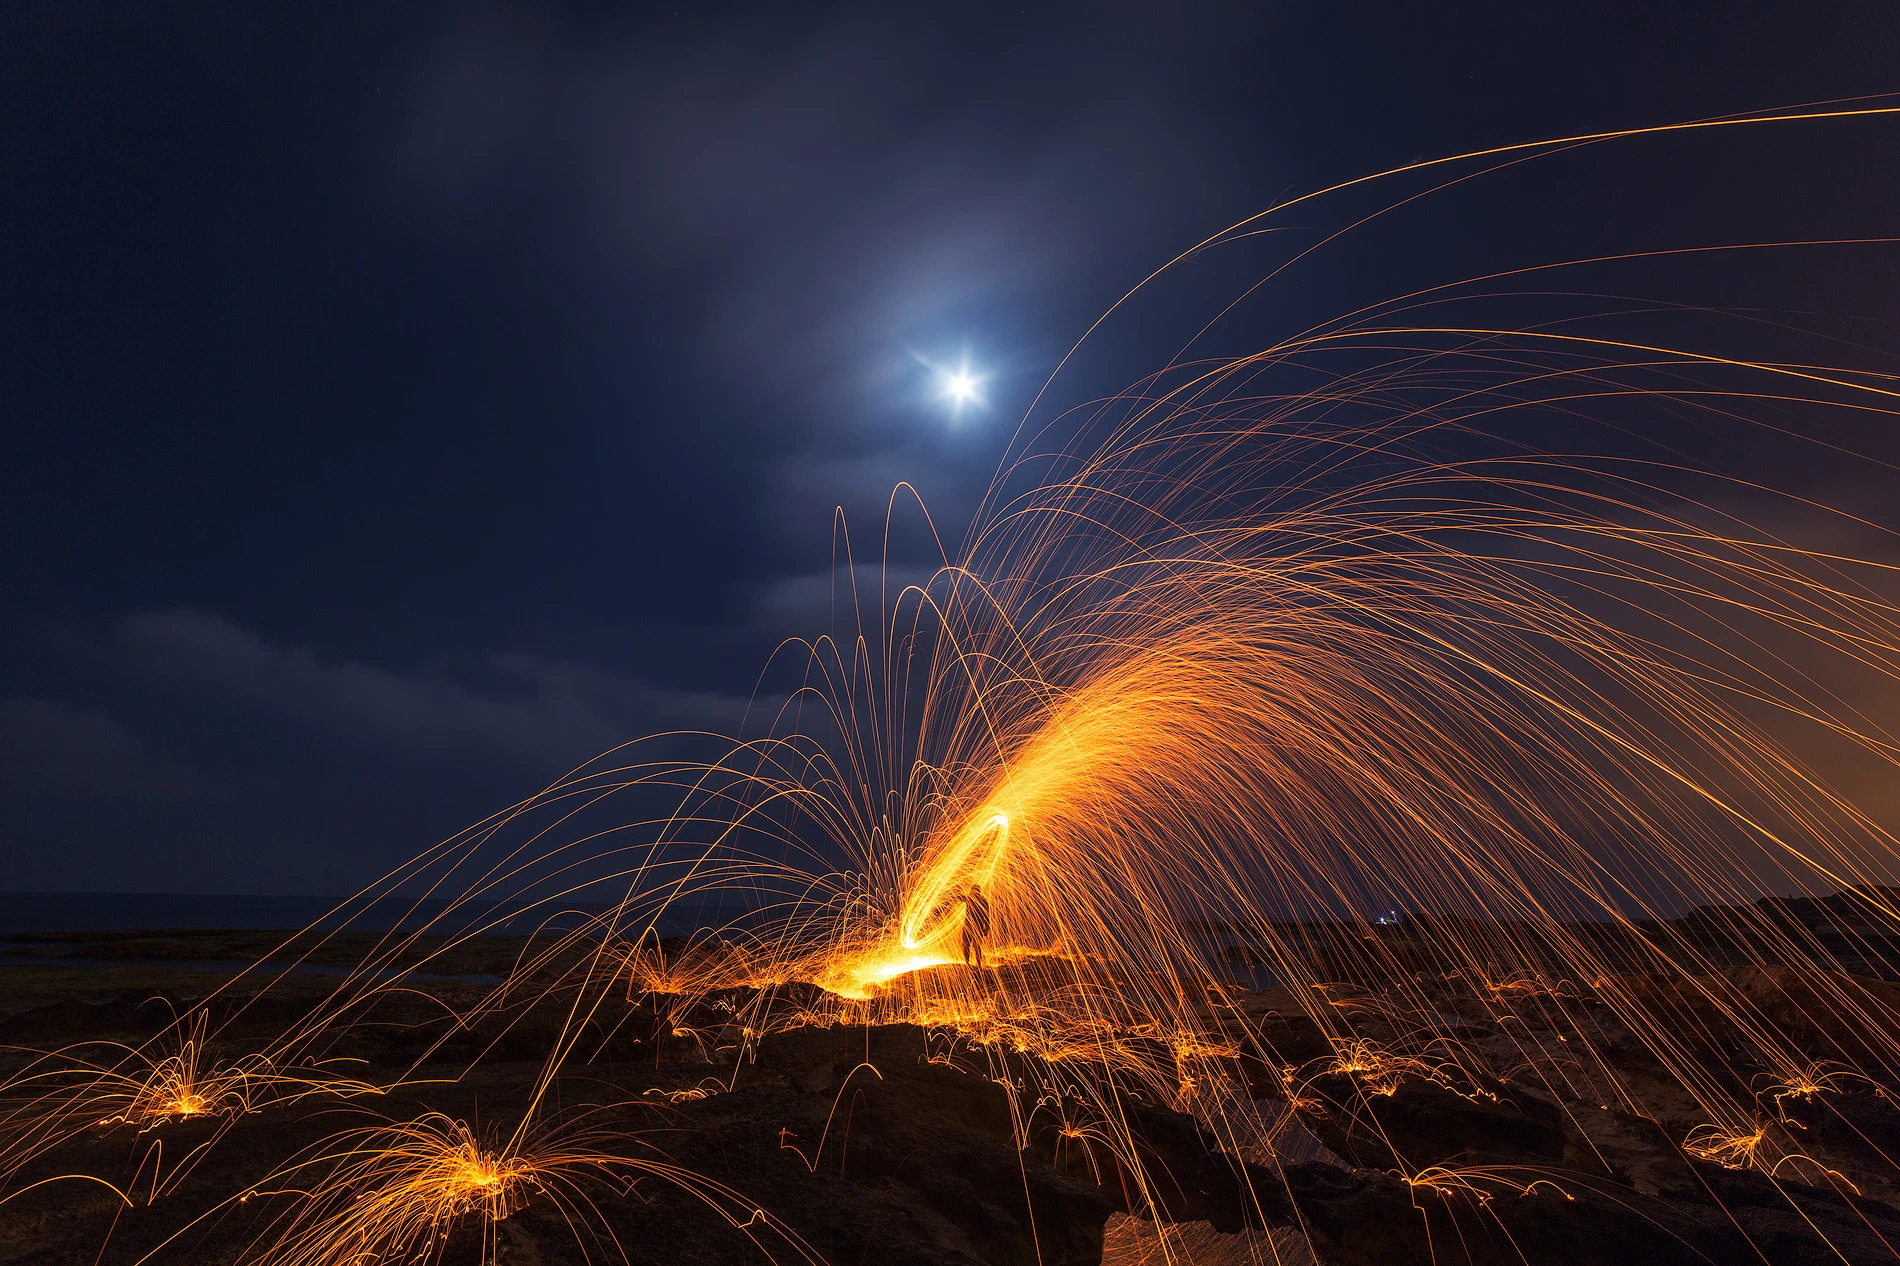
point(889, 1144)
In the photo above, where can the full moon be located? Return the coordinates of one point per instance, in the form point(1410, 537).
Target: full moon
point(960, 386)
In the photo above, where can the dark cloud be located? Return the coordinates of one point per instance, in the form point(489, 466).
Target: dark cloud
point(226, 740)
point(52, 748)
point(535, 714)
point(832, 601)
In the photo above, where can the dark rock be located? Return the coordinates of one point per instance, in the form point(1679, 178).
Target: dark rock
point(1422, 1123)
point(136, 1015)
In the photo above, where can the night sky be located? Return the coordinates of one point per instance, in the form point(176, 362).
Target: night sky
point(405, 402)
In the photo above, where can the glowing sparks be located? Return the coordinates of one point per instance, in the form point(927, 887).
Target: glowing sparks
point(1254, 660)
point(395, 1192)
point(1731, 1148)
point(932, 915)
point(858, 979)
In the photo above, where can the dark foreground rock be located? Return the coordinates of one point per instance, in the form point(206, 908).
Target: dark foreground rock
point(870, 1146)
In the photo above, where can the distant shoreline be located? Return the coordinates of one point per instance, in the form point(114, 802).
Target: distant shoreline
point(41, 913)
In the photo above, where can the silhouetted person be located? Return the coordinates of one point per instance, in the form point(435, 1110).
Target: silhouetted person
point(976, 925)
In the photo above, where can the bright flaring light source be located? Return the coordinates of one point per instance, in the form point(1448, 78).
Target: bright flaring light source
point(960, 387)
